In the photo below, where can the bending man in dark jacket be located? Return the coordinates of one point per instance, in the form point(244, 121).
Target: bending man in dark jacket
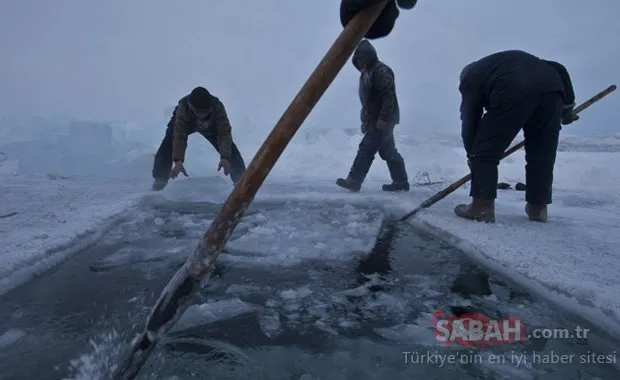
point(517, 90)
point(379, 116)
point(203, 113)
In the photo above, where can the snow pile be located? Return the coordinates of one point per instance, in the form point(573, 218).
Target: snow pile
point(74, 149)
point(89, 150)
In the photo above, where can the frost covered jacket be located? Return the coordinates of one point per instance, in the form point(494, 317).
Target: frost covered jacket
point(213, 121)
point(505, 78)
point(377, 89)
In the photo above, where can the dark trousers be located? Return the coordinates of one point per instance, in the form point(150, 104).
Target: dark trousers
point(540, 117)
point(163, 158)
point(381, 141)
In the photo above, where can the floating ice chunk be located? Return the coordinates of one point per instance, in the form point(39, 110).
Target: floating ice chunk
point(291, 307)
point(305, 230)
point(259, 217)
point(431, 293)
point(425, 319)
point(357, 217)
point(293, 317)
point(122, 257)
point(347, 324)
point(260, 230)
point(134, 255)
point(409, 333)
point(208, 345)
point(360, 291)
point(269, 322)
point(203, 314)
point(293, 294)
point(324, 326)
point(10, 336)
point(318, 309)
point(176, 250)
point(242, 289)
point(389, 303)
point(339, 299)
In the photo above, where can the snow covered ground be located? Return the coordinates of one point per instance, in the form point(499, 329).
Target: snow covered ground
point(573, 259)
point(46, 219)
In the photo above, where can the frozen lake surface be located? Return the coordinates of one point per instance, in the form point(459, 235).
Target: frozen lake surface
point(281, 305)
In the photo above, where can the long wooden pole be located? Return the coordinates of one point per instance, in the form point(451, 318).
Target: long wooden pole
point(463, 180)
point(176, 296)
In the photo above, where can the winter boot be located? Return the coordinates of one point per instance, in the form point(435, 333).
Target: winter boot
point(396, 186)
point(481, 210)
point(159, 184)
point(349, 184)
point(536, 213)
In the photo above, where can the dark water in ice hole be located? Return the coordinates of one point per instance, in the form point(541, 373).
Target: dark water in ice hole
point(319, 319)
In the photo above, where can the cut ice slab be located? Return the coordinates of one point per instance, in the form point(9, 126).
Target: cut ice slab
point(127, 256)
point(270, 323)
point(302, 230)
point(198, 189)
point(419, 332)
point(406, 333)
point(197, 315)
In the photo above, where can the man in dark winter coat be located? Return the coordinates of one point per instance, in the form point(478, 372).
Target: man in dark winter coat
point(386, 20)
point(518, 91)
point(203, 113)
point(379, 116)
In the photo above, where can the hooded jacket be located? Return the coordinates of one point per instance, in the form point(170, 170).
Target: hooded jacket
point(377, 89)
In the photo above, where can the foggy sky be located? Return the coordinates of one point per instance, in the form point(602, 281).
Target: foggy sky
point(128, 60)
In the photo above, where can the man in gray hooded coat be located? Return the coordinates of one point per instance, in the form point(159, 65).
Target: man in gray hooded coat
point(379, 115)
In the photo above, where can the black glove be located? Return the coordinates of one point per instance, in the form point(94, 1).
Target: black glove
point(568, 115)
point(384, 24)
